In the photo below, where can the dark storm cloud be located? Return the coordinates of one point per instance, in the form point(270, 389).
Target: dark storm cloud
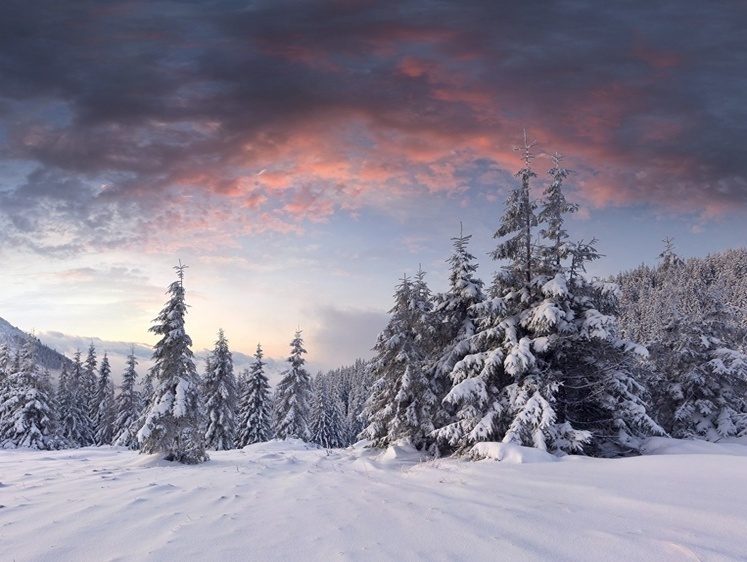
point(129, 110)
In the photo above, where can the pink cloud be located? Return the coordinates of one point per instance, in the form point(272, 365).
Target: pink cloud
point(344, 107)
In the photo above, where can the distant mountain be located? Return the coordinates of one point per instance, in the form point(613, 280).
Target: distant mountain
point(45, 356)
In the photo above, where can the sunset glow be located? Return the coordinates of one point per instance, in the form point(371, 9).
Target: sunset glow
point(300, 156)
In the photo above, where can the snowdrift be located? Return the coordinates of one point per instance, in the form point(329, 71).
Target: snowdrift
point(287, 500)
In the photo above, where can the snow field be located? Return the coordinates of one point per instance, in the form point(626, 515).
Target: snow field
point(285, 500)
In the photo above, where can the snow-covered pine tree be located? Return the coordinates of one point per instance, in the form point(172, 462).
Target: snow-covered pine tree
point(15, 363)
point(519, 218)
point(63, 387)
point(360, 379)
point(147, 395)
point(27, 416)
point(6, 389)
point(602, 377)
point(669, 258)
point(75, 424)
point(292, 396)
point(548, 369)
point(422, 305)
point(552, 215)
point(106, 413)
point(220, 397)
point(242, 388)
point(172, 425)
point(326, 421)
point(457, 312)
point(5, 361)
point(478, 380)
point(48, 388)
point(255, 411)
point(403, 403)
point(128, 407)
point(241, 383)
point(90, 387)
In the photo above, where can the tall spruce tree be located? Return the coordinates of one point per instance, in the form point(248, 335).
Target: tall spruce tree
point(404, 402)
point(220, 397)
point(173, 425)
point(255, 410)
point(27, 414)
point(456, 309)
point(292, 396)
point(519, 218)
point(76, 425)
point(90, 388)
point(5, 390)
point(128, 407)
point(147, 395)
point(669, 258)
point(552, 216)
point(106, 412)
point(5, 356)
point(547, 368)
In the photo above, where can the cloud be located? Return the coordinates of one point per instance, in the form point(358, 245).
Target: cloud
point(342, 335)
point(116, 351)
point(159, 126)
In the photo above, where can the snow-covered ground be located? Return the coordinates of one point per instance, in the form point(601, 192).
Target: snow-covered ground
point(288, 501)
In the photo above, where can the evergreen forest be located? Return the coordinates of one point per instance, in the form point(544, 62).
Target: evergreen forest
point(539, 355)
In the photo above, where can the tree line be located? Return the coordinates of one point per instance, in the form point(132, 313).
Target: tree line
point(173, 410)
point(541, 356)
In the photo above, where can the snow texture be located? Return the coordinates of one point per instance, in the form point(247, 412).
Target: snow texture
point(287, 500)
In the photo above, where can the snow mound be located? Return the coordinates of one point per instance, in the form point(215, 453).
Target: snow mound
point(280, 446)
point(286, 500)
point(510, 453)
point(362, 444)
point(668, 446)
point(150, 461)
point(401, 452)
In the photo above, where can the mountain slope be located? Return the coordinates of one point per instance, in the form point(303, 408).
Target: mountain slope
point(45, 356)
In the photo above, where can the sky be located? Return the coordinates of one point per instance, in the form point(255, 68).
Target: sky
point(301, 156)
